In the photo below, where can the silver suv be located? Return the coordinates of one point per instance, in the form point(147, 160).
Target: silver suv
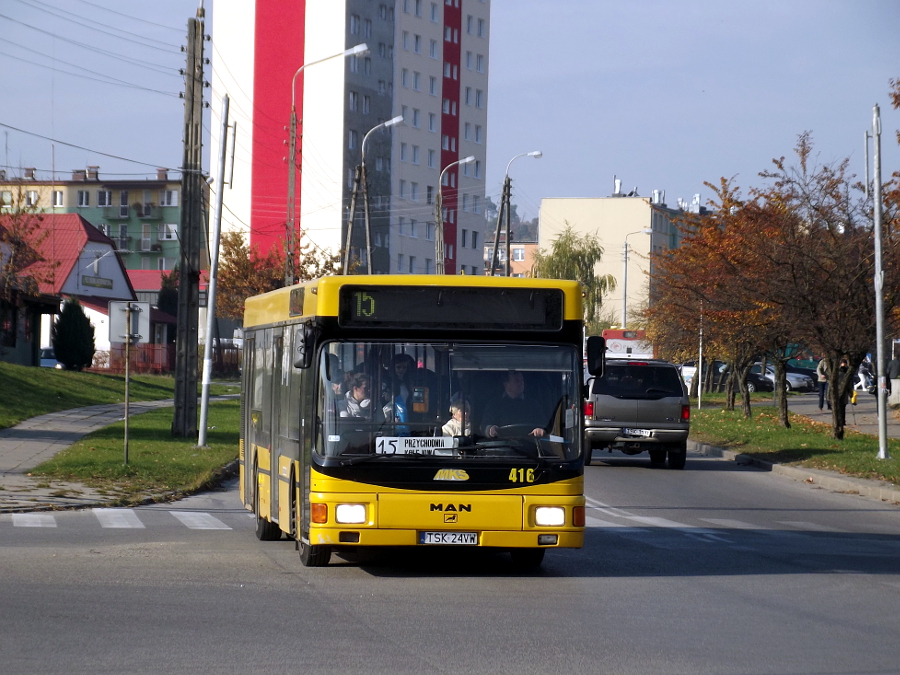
point(637, 406)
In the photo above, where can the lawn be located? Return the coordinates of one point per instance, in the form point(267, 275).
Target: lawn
point(28, 391)
point(159, 466)
point(806, 443)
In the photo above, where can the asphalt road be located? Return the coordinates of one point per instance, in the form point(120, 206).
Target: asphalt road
point(716, 569)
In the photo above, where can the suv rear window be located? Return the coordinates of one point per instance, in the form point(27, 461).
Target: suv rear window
point(638, 381)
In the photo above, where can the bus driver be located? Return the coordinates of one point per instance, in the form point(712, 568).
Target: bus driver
point(512, 408)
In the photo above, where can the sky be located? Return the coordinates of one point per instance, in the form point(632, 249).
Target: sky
point(663, 95)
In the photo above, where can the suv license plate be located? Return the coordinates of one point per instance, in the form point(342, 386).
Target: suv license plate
point(457, 538)
point(642, 433)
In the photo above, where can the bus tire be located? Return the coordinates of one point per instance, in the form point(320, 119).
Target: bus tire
point(527, 558)
point(313, 556)
point(588, 454)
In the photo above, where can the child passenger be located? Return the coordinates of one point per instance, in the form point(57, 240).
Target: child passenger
point(453, 427)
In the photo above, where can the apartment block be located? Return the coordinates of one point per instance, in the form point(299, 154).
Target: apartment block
point(427, 60)
point(142, 217)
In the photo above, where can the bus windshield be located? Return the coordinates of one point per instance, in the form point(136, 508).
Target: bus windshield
point(380, 400)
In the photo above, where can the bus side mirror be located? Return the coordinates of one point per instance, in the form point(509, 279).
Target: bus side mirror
point(596, 355)
point(304, 346)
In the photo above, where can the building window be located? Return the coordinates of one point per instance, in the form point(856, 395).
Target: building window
point(465, 204)
point(402, 189)
point(168, 197)
point(432, 159)
point(414, 191)
point(353, 63)
point(429, 266)
point(518, 254)
point(412, 229)
point(475, 206)
point(482, 28)
point(429, 231)
point(84, 198)
point(467, 131)
point(412, 264)
point(404, 78)
point(469, 60)
point(417, 44)
point(415, 154)
point(479, 98)
point(401, 260)
point(462, 241)
point(168, 232)
point(418, 7)
point(367, 28)
point(467, 95)
point(433, 49)
point(352, 101)
point(58, 197)
point(479, 63)
point(417, 81)
point(432, 86)
point(477, 169)
point(404, 40)
point(429, 191)
point(478, 136)
point(435, 14)
point(367, 104)
point(415, 117)
point(401, 225)
point(403, 152)
point(354, 24)
point(470, 24)
point(351, 139)
point(474, 242)
point(432, 122)
point(6, 199)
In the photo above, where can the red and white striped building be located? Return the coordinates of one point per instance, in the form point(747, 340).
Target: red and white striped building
point(427, 60)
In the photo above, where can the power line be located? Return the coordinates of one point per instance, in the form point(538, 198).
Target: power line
point(35, 4)
point(79, 147)
point(129, 16)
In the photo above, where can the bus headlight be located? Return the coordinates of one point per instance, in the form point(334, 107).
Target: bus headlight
point(348, 514)
point(550, 516)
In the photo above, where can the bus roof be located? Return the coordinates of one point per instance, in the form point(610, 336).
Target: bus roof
point(319, 297)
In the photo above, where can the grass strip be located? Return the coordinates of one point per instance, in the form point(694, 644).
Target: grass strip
point(159, 465)
point(28, 392)
point(807, 443)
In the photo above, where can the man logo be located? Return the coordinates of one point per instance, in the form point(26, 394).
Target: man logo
point(451, 508)
point(449, 517)
point(451, 474)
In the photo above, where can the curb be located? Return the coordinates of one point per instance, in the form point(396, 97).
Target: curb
point(864, 487)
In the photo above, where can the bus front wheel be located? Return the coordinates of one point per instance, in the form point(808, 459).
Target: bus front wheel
point(313, 556)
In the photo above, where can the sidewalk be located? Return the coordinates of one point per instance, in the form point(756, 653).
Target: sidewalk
point(38, 439)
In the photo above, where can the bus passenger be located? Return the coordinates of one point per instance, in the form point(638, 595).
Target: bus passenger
point(356, 402)
point(512, 408)
point(454, 426)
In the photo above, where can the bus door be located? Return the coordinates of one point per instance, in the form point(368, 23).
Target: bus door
point(258, 427)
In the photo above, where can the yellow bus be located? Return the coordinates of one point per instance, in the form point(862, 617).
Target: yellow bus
point(410, 411)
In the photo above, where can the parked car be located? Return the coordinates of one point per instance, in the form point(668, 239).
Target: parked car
point(638, 406)
point(755, 382)
point(48, 358)
point(794, 381)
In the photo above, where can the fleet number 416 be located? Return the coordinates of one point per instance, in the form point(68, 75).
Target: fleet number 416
point(521, 475)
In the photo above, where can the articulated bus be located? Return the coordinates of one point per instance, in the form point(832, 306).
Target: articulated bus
point(349, 387)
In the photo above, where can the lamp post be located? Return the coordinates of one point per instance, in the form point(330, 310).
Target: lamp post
point(439, 217)
point(290, 243)
point(360, 181)
point(505, 209)
point(625, 276)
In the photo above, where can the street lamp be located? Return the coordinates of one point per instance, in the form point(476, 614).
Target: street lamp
point(360, 182)
point(290, 244)
point(439, 217)
point(625, 276)
point(505, 209)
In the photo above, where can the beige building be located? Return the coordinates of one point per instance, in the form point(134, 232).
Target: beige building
point(646, 223)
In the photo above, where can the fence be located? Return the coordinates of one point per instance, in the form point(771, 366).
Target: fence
point(153, 358)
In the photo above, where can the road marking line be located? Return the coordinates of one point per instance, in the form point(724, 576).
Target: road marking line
point(200, 521)
point(33, 520)
point(118, 518)
point(812, 527)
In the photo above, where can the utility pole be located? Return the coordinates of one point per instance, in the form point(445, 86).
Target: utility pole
point(348, 247)
point(881, 390)
point(495, 255)
point(184, 422)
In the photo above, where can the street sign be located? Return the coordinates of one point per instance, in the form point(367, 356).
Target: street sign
point(140, 321)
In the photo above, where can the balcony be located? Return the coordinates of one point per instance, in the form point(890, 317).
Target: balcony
point(122, 243)
point(147, 211)
point(116, 212)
